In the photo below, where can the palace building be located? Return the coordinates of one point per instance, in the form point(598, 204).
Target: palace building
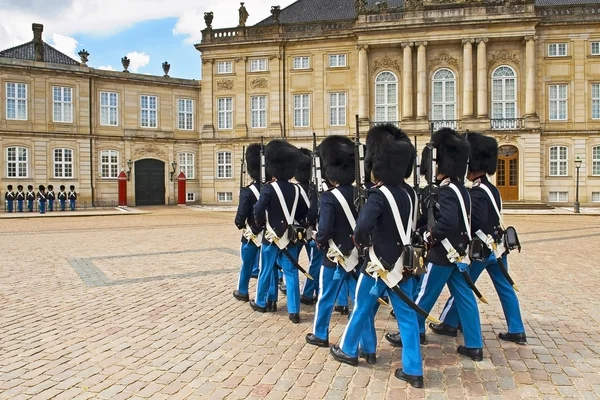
point(526, 72)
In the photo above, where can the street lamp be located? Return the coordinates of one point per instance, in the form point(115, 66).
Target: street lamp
point(173, 166)
point(129, 165)
point(577, 166)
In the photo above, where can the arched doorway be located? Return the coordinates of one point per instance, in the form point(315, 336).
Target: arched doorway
point(149, 182)
point(507, 176)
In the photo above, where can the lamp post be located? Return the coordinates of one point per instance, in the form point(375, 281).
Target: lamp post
point(129, 165)
point(173, 166)
point(577, 166)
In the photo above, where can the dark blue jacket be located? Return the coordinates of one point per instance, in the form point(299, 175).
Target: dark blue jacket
point(244, 211)
point(411, 193)
point(333, 223)
point(483, 213)
point(311, 216)
point(376, 224)
point(449, 223)
point(269, 201)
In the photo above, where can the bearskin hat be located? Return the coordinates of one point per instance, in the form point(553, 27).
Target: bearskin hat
point(337, 155)
point(388, 156)
point(484, 153)
point(452, 154)
point(400, 135)
point(303, 168)
point(253, 161)
point(281, 159)
point(42, 188)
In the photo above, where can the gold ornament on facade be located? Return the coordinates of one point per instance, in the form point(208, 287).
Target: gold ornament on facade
point(259, 83)
point(225, 84)
point(385, 63)
point(503, 57)
point(444, 59)
point(507, 138)
point(150, 150)
point(413, 3)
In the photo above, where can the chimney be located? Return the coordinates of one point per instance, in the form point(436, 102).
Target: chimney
point(37, 41)
point(37, 31)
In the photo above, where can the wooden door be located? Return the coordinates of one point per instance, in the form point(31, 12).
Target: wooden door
point(149, 182)
point(507, 176)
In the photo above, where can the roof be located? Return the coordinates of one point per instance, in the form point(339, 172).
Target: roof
point(307, 11)
point(26, 51)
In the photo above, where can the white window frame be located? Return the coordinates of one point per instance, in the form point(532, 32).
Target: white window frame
point(258, 112)
point(386, 111)
point(338, 60)
point(595, 100)
point(62, 167)
point(109, 169)
point(18, 100)
point(225, 113)
point(146, 119)
point(338, 102)
point(595, 197)
point(259, 65)
point(224, 164)
point(190, 197)
point(302, 62)
point(595, 48)
point(62, 104)
point(224, 67)
point(558, 194)
point(559, 161)
point(444, 103)
point(20, 161)
point(185, 114)
point(301, 104)
point(224, 197)
point(596, 160)
point(557, 49)
point(559, 101)
point(187, 164)
point(108, 109)
point(503, 99)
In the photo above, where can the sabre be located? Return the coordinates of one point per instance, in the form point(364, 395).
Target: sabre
point(263, 174)
point(243, 169)
point(471, 284)
point(295, 263)
point(504, 271)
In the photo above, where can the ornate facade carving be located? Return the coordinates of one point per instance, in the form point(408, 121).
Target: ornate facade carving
point(225, 84)
point(444, 59)
point(413, 3)
point(151, 150)
point(259, 83)
point(385, 63)
point(503, 57)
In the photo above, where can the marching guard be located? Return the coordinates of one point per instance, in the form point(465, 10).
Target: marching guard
point(41, 196)
point(62, 197)
point(486, 225)
point(51, 196)
point(9, 198)
point(20, 198)
point(30, 197)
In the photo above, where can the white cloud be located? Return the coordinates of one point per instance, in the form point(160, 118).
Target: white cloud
point(65, 44)
point(138, 60)
point(106, 67)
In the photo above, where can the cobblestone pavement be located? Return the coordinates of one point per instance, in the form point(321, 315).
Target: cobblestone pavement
point(119, 307)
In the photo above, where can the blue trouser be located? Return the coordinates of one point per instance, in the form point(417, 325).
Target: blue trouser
point(249, 254)
point(30, 205)
point(506, 293)
point(346, 291)
point(42, 207)
point(72, 204)
point(432, 284)
point(50, 205)
point(266, 288)
point(315, 258)
point(9, 205)
point(329, 288)
point(62, 204)
point(20, 205)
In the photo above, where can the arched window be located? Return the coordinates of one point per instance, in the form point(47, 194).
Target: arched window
point(386, 97)
point(443, 100)
point(504, 98)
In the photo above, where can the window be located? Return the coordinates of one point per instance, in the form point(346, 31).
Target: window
point(558, 102)
point(109, 164)
point(63, 163)
point(225, 113)
point(224, 165)
point(557, 50)
point(504, 97)
point(559, 197)
point(16, 162)
point(258, 65)
point(301, 110)
point(596, 160)
point(186, 165)
point(148, 111)
point(443, 101)
point(225, 67)
point(301, 63)
point(596, 48)
point(595, 197)
point(558, 161)
point(258, 105)
point(337, 60)
point(386, 97)
point(337, 109)
point(185, 119)
point(224, 197)
point(596, 100)
point(16, 101)
point(109, 108)
point(62, 104)
point(190, 197)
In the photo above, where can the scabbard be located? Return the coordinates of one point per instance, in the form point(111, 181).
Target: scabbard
point(471, 284)
point(504, 271)
point(295, 263)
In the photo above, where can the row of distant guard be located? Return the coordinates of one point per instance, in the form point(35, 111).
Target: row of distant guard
point(43, 200)
point(375, 249)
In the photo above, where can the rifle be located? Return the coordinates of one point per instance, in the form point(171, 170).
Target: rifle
point(243, 169)
point(431, 181)
point(263, 173)
point(359, 171)
point(316, 180)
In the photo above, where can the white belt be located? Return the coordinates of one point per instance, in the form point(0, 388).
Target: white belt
point(272, 237)
point(256, 239)
point(376, 270)
point(453, 255)
point(334, 254)
point(497, 248)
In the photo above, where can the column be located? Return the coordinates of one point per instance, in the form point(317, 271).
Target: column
point(421, 80)
point(363, 81)
point(467, 78)
point(530, 94)
point(407, 81)
point(482, 81)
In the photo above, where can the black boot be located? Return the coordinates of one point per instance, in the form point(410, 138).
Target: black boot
point(241, 297)
point(256, 307)
point(396, 341)
point(295, 318)
point(413, 380)
point(306, 300)
point(282, 287)
point(473, 354)
point(342, 310)
point(443, 329)
point(342, 357)
point(518, 338)
point(271, 306)
point(370, 358)
point(315, 341)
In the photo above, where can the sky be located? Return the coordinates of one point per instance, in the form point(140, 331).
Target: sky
point(149, 32)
